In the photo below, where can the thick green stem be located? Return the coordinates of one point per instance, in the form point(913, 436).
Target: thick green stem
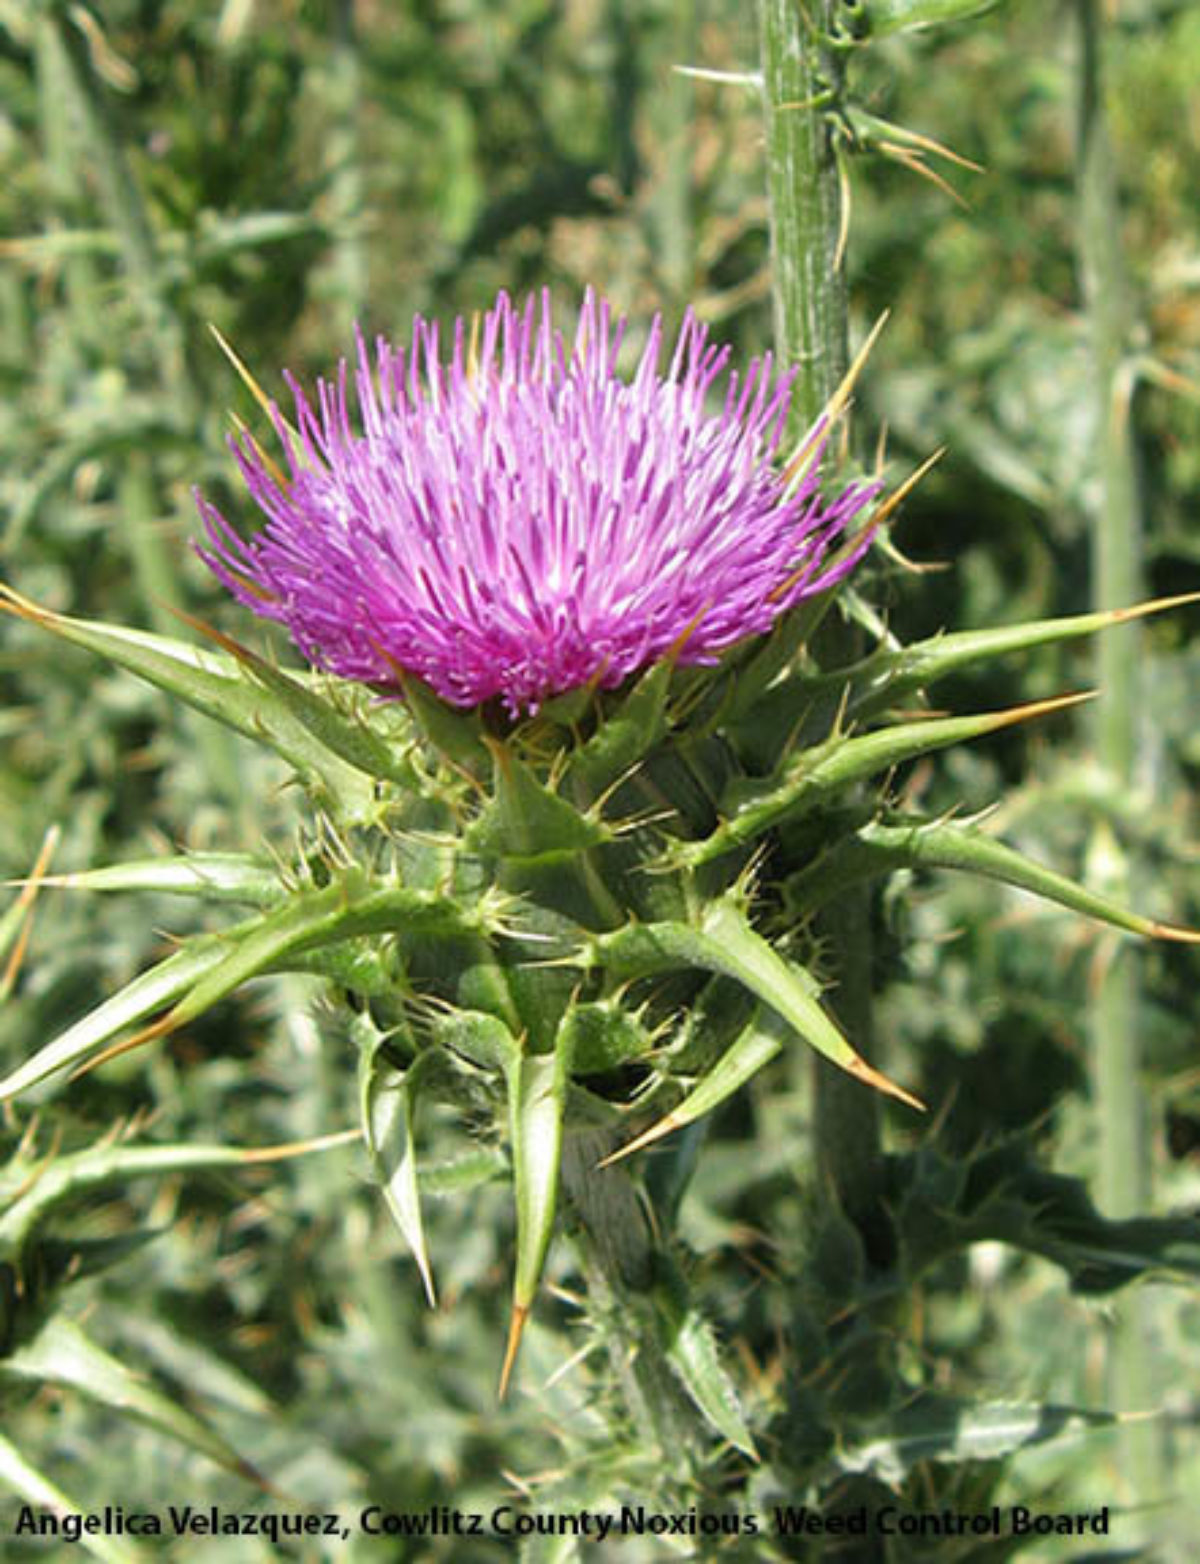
point(617, 1249)
point(1117, 529)
point(1117, 526)
point(805, 202)
point(811, 327)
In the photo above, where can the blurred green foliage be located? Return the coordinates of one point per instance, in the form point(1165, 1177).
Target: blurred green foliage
point(282, 169)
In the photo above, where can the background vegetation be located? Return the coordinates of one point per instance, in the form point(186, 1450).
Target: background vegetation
point(281, 170)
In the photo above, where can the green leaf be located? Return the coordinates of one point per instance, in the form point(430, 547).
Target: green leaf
point(1053, 1215)
point(755, 674)
point(188, 1361)
point(33, 1190)
point(60, 1354)
point(943, 1203)
point(211, 967)
point(603, 1036)
point(216, 877)
point(23, 1479)
point(350, 738)
point(829, 769)
point(360, 965)
point(878, 18)
point(889, 674)
point(690, 1347)
point(537, 1092)
point(945, 1429)
point(893, 673)
point(725, 943)
point(454, 734)
point(624, 735)
point(898, 843)
point(527, 823)
point(387, 1108)
point(460, 1175)
point(480, 1037)
point(307, 921)
point(159, 986)
point(757, 1045)
point(291, 721)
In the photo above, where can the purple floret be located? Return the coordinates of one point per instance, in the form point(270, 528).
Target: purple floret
point(523, 520)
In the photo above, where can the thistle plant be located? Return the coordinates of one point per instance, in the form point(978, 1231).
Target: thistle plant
point(597, 740)
point(577, 789)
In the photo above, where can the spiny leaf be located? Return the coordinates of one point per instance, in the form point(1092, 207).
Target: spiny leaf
point(349, 738)
point(896, 843)
point(946, 1429)
point(60, 1354)
point(147, 993)
point(890, 674)
point(757, 1045)
point(57, 1180)
point(525, 822)
point(624, 736)
point(603, 1036)
point(872, 131)
point(691, 1349)
point(945, 1203)
point(750, 674)
point(308, 920)
point(211, 966)
point(725, 943)
point(455, 735)
point(828, 769)
point(387, 1108)
point(362, 966)
point(168, 1344)
point(217, 685)
point(479, 1036)
point(217, 877)
point(537, 1088)
point(878, 18)
point(460, 1175)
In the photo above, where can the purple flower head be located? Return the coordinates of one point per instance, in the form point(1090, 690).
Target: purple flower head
point(522, 520)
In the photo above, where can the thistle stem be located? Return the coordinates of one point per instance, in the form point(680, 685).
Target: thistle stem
point(811, 317)
point(616, 1244)
point(812, 332)
point(1117, 527)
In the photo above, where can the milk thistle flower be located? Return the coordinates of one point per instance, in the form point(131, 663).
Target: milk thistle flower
point(523, 520)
